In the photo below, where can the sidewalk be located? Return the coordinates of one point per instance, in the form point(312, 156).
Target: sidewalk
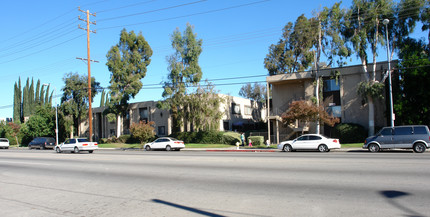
point(234, 149)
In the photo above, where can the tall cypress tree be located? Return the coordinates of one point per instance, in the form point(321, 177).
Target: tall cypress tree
point(25, 101)
point(47, 96)
point(36, 99)
point(42, 95)
point(31, 98)
point(16, 105)
point(20, 100)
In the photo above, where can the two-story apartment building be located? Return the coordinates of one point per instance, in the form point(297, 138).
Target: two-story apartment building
point(238, 114)
point(339, 97)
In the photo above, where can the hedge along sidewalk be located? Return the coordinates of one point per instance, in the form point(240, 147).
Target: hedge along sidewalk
point(137, 145)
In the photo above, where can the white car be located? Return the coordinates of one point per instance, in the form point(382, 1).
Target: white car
point(4, 143)
point(167, 143)
point(76, 145)
point(310, 142)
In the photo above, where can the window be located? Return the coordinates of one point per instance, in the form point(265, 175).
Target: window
point(226, 125)
point(331, 85)
point(161, 130)
point(420, 130)
point(235, 108)
point(336, 111)
point(314, 138)
point(70, 141)
point(112, 132)
point(248, 110)
point(303, 138)
point(143, 112)
point(82, 140)
point(386, 132)
point(403, 131)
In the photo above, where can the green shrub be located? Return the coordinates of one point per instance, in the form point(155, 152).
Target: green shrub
point(203, 137)
point(350, 133)
point(256, 140)
point(187, 137)
point(209, 137)
point(143, 131)
point(230, 138)
point(103, 141)
point(123, 138)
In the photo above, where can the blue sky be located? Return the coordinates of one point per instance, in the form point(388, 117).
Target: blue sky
point(41, 39)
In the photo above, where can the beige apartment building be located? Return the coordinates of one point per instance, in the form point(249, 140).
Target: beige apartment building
point(339, 97)
point(239, 113)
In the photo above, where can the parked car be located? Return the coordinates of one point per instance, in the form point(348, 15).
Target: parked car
point(42, 143)
point(310, 142)
point(4, 143)
point(76, 145)
point(416, 137)
point(167, 143)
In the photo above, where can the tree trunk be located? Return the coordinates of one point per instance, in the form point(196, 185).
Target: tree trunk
point(118, 126)
point(17, 143)
point(71, 131)
point(371, 131)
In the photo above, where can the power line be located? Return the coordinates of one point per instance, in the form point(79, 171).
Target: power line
point(39, 26)
point(39, 51)
point(39, 44)
point(188, 15)
point(127, 6)
point(152, 11)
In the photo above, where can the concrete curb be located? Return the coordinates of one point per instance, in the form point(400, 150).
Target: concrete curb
point(218, 149)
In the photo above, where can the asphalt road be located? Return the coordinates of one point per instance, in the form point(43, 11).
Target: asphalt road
point(196, 183)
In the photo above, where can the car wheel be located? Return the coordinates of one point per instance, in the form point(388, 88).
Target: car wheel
point(419, 148)
point(29, 147)
point(168, 148)
point(90, 151)
point(76, 150)
point(57, 149)
point(373, 148)
point(148, 148)
point(322, 148)
point(287, 148)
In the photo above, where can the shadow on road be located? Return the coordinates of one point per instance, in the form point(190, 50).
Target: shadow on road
point(198, 211)
point(390, 196)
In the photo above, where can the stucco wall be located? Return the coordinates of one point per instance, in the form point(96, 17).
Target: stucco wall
point(300, 85)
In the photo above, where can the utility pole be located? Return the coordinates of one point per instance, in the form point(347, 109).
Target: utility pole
point(90, 119)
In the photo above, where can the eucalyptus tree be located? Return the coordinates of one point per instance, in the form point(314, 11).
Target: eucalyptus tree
point(127, 61)
point(329, 42)
point(202, 108)
point(254, 92)
point(364, 30)
point(293, 51)
point(75, 96)
point(184, 70)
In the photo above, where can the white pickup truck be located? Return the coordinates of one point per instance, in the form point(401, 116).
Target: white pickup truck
point(76, 145)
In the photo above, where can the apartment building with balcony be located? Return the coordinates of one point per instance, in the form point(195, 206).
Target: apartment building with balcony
point(339, 98)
